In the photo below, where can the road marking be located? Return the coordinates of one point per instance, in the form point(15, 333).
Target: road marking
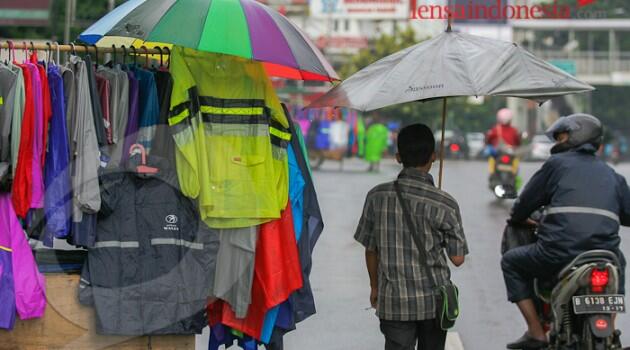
point(453, 341)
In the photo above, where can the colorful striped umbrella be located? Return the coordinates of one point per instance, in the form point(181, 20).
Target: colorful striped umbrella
point(242, 28)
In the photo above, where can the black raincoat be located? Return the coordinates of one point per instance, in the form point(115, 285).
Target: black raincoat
point(152, 266)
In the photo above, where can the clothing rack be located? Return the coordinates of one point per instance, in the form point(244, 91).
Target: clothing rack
point(83, 48)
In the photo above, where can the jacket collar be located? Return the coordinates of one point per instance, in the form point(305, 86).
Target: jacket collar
point(417, 175)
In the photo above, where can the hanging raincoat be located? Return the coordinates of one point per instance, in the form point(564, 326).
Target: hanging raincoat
point(231, 138)
point(58, 199)
point(23, 180)
point(28, 284)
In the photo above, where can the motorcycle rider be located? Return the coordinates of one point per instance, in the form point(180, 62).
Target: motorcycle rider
point(503, 137)
point(585, 202)
point(503, 132)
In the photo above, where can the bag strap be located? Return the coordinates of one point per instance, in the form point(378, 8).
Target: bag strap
point(415, 234)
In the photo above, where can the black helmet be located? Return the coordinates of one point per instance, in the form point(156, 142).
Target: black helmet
point(582, 128)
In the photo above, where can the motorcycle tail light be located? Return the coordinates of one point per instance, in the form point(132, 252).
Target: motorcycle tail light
point(455, 147)
point(599, 280)
point(505, 159)
point(601, 324)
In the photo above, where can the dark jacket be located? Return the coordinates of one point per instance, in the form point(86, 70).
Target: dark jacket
point(585, 202)
point(152, 266)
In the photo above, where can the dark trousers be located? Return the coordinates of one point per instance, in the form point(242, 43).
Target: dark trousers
point(524, 264)
point(403, 335)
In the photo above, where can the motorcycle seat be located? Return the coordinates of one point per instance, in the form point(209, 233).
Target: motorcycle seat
point(591, 256)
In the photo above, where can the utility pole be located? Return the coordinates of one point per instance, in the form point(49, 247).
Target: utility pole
point(110, 5)
point(66, 30)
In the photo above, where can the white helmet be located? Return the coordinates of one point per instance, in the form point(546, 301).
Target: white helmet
point(504, 116)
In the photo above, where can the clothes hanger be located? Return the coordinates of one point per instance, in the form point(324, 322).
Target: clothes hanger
point(48, 54)
point(146, 56)
point(161, 56)
point(142, 168)
point(73, 51)
point(58, 58)
point(112, 63)
point(124, 54)
point(11, 50)
point(95, 56)
point(168, 60)
point(33, 53)
point(87, 51)
point(25, 51)
point(135, 55)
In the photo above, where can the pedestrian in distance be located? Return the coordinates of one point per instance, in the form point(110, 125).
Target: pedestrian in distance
point(400, 291)
point(377, 136)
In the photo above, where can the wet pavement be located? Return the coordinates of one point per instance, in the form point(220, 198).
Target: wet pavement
point(340, 281)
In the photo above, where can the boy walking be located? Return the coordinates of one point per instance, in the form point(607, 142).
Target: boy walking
point(405, 301)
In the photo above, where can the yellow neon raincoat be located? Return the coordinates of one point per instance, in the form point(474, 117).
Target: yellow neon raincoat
point(231, 136)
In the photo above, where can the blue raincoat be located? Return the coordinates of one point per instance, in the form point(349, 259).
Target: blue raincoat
point(58, 197)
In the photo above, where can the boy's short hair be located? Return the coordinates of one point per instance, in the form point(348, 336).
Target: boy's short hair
point(416, 145)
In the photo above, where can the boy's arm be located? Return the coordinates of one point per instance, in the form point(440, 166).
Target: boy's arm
point(371, 261)
point(456, 245)
point(366, 236)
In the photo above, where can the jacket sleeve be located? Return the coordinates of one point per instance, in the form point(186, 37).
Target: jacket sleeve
point(535, 195)
point(87, 162)
point(29, 283)
point(183, 123)
point(624, 194)
point(491, 136)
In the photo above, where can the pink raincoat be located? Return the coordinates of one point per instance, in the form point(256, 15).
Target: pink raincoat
point(20, 272)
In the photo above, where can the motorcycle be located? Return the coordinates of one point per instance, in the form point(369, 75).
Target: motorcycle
point(503, 174)
point(578, 309)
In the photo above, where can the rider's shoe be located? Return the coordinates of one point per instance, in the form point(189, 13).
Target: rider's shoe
point(527, 342)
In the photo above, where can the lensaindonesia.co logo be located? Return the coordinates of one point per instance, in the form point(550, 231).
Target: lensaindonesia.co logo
point(501, 10)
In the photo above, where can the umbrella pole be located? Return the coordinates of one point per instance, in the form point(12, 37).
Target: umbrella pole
point(442, 143)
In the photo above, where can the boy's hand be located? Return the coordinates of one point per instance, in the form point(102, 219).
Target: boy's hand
point(374, 296)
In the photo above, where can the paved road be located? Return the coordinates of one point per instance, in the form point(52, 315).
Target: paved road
point(340, 281)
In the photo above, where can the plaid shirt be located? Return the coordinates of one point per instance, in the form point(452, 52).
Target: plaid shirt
point(404, 290)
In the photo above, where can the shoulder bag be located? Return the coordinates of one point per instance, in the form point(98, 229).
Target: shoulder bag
point(448, 295)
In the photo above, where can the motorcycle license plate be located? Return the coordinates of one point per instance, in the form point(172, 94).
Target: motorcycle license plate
point(502, 167)
point(599, 304)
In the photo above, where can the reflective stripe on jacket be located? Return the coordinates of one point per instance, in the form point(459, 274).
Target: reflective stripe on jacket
point(585, 202)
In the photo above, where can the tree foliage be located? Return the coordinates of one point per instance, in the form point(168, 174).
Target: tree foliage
point(461, 114)
point(87, 12)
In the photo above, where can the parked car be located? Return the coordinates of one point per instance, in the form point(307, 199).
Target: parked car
point(540, 148)
point(455, 145)
point(476, 144)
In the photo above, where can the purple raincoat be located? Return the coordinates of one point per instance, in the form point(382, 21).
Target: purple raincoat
point(58, 198)
point(28, 284)
point(7, 287)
